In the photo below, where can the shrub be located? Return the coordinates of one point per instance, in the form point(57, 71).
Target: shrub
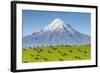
point(25, 61)
point(31, 55)
point(77, 57)
point(45, 59)
point(49, 52)
point(37, 51)
point(41, 50)
point(68, 45)
point(36, 58)
point(50, 46)
point(61, 59)
point(24, 49)
point(80, 50)
point(29, 47)
point(63, 54)
point(85, 52)
point(54, 48)
point(59, 52)
point(37, 54)
point(70, 50)
point(38, 47)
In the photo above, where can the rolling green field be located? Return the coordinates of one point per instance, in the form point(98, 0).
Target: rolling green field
point(56, 53)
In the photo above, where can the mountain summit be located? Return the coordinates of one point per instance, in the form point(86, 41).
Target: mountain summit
point(56, 23)
point(56, 33)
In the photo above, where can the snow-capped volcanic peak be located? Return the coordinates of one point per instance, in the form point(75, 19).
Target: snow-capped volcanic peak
point(56, 23)
point(56, 33)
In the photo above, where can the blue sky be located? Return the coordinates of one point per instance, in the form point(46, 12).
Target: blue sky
point(33, 20)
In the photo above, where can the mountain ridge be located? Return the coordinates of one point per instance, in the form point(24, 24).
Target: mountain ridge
point(56, 33)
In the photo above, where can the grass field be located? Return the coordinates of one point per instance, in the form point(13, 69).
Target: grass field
point(56, 53)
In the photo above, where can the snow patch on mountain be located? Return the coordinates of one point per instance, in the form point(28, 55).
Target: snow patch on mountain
point(57, 23)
